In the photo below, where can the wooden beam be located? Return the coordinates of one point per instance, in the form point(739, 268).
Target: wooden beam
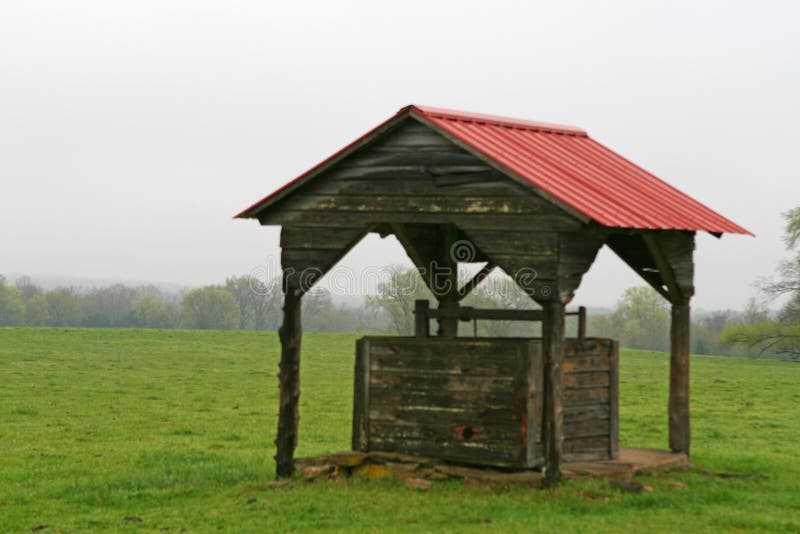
point(468, 313)
point(664, 269)
point(553, 420)
point(473, 282)
point(679, 431)
point(422, 325)
point(290, 334)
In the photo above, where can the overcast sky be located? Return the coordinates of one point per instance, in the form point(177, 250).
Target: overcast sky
point(131, 132)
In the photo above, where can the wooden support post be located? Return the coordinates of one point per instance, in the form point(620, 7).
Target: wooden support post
point(432, 248)
point(422, 323)
point(448, 325)
point(447, 280)
point(553, 421)
point(582, 322)
point(290, 334)
point(679, 378)
point(361, 396)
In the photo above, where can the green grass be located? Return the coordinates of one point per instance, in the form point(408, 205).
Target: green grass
point(175, 428)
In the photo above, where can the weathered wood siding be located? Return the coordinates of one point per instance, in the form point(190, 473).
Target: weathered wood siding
point(479, 401)
point(414, 175)
point(591, 399)
point(467, 400)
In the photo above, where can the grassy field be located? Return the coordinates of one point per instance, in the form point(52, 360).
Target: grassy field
point(147, 430)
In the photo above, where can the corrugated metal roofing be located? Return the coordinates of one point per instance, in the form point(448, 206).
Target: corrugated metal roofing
point(564, 164)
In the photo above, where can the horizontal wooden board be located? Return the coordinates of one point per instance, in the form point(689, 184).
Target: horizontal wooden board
point(460, 367)
point(586, 412)
point(586, 428)
point(460, 431)
point(435, 414)
point(414, 136)
point(299, 237)
point(463, 220)
point(426, 185)
point(594, 443)
point(530, 242)
point(590, 346)
point(586, 455)
point(472, 205)
point(470, 453)
point(436, 156)
point(586, 380)
point(575, 364)
point(576, 397)
point(442, 381)
point(426, 397)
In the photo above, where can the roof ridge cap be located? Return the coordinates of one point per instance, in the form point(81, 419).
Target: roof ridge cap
point(496, 120)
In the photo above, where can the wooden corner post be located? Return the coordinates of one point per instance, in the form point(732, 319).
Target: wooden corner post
point(672, 253)
point(290, 334)
point(679, 431)
point(553, 421)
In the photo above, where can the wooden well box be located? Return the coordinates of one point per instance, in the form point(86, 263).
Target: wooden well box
point(479, 400)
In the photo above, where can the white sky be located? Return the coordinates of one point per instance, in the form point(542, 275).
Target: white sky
point(131, 132)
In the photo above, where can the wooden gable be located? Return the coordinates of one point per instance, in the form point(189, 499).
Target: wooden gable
point(413, 175)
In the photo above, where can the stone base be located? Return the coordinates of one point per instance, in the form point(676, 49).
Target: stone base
point(417, 471)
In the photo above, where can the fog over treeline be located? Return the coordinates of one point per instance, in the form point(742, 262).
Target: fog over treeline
point(640, 319)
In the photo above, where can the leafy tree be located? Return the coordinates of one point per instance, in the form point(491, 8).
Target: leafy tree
point(12, 309)
point(36, 311)
point(109, 306)
point(151, 312)
point(781, 335)
point(640, 320)
point(27, 288)
point(210, 308)
point(259, 301)
point(396, 296)
point(64, 307)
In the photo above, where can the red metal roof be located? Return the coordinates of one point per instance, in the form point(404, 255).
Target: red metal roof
point(564, 164)
point(580, 172)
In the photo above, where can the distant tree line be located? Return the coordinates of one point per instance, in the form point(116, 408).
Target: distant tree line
point(640, 319)
point(242, 302)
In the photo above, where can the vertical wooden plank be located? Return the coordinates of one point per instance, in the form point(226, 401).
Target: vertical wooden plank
point(613, 400)
point(679, 432)
point(290, 334)
point(581, 322)
point(361, 397)
point(553, 423)
point(422, 323)
point(533, 376)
